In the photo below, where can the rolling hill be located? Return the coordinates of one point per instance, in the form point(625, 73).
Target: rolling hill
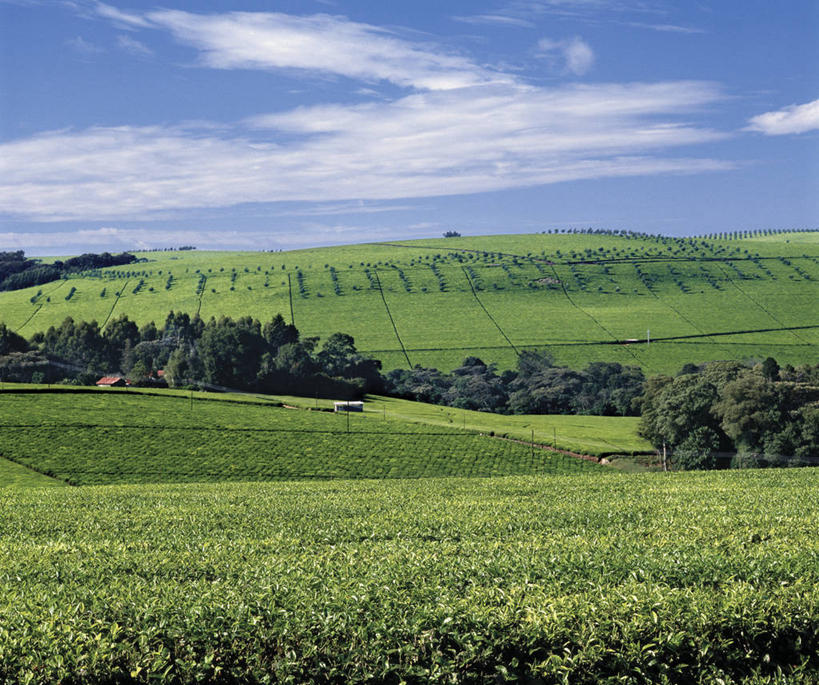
point(648, 300)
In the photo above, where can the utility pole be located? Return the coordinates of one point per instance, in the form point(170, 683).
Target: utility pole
point(665, 461)
point(648, 336)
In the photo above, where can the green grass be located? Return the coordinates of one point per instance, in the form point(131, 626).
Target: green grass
point(14, 475)
point(103, 437)
point(646, 578)
point(573, 295)
point(595, 435)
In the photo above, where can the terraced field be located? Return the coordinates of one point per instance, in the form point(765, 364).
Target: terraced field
point(434, 302)
point(104, 437)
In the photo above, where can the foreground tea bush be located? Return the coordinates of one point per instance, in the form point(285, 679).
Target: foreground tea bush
point(678, 578)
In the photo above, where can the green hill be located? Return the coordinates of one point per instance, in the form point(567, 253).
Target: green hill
point(582, 297)
point(104, 437)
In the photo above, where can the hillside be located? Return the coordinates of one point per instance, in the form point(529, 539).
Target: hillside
point(434, 302)
point(104, 437)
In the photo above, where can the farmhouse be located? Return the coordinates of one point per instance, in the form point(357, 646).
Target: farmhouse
point(348, 406)
point(112, 382)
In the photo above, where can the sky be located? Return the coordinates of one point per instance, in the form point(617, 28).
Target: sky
point(287, 124)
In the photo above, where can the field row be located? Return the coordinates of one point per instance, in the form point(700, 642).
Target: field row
point(584, 579)
point(104, 438)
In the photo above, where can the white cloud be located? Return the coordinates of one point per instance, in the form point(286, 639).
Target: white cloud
point(793, 119)
point(319, 43)
point(577, 54)
point(134, 46)
point(426, 144)
point(122, 19)
point(495, 20)
point(664, 28)
point(82, 46)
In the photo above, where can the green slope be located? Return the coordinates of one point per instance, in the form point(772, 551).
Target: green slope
point(434, 302)
point(103, 437)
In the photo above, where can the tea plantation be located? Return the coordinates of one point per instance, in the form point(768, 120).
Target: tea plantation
point(104, 437)
point(582, 297)
point(591, 578)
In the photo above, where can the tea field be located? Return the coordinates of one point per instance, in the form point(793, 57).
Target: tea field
point(103, 437)
point(592, 578)
point(433, 302)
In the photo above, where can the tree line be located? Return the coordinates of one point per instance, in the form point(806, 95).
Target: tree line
point(732, 414)
point(17, 272)
point(237, 354)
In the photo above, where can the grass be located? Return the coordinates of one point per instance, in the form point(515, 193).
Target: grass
point(575, 296)
point(598, 578)
point(595, 435)
point(103, 437)
point(14, 475)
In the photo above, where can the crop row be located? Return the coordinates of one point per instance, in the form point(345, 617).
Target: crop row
point(94, 456)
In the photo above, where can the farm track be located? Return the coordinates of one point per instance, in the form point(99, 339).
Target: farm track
point(486, 311)
point(392, 321)
point(290, 295)
point(625, 342)
point(568, 453)
point(201, 295)
point(30, 318)
point(762, 308)
point(113, 306)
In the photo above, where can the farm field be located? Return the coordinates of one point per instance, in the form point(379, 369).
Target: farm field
point(104, 437)
point(14, 475)
point(602, 577)
point(434, 302)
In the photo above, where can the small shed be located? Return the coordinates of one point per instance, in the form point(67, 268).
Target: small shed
point(112, 382)
point(348, 406)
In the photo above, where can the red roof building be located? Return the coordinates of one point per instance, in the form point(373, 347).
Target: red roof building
point(112, 382)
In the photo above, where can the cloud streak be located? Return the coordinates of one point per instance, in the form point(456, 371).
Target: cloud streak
point(788, 120)
point(435, 143)
point(318, 43)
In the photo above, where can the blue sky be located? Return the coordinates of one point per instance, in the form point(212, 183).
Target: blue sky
point(267, 125)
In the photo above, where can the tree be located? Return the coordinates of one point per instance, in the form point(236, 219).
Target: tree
point(770, 369)
point(749, 411)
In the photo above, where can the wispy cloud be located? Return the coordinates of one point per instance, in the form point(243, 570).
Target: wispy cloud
point(577, 54)
point(344, 208)
point(83, 47)
point(122, 19)
point(494, 20)
point(319, 43)
point(665, 28)
point(434, 143)
point(792, 119)
point(134, 46)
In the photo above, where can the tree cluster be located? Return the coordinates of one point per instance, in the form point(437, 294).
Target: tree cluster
point(712, 415)
point(241, 354)
point(537, 386)
point(17, 272)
